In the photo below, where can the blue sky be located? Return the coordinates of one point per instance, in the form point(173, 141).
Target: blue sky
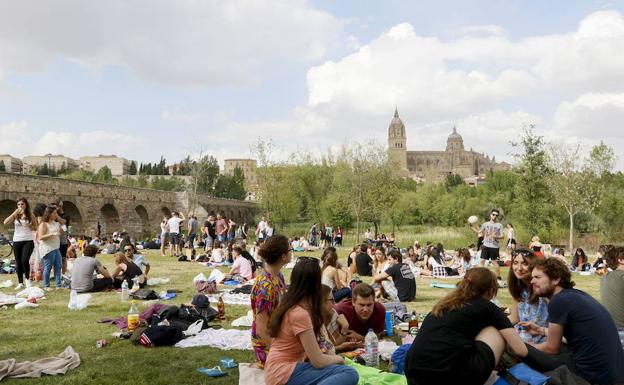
point(142, 79)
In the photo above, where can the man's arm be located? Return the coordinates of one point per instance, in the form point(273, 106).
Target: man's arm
point(381, 277)
point(553, 343)
point(102, 270)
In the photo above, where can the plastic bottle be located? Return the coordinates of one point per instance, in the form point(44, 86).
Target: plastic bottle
point(371, 344)
point(133, 317)
point(413, 324)
point(73, 300)
point(221, 309)
point(135, 284)
point(125, 293)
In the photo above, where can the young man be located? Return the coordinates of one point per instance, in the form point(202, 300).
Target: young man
point(363, 262)
point(209, 232)
point(363, 312)
point(402, 277)
point(221, 229)
point(591, 335)
point(192, 233)
point(261, 230)
point(139, 259)
point(82, 273)
point(612, 285)
point(492, 233)
point(174, 232)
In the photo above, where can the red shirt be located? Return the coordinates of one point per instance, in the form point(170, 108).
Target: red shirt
point(377, 320)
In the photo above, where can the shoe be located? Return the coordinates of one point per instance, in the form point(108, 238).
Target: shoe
point(27, 282)
point(19, 286)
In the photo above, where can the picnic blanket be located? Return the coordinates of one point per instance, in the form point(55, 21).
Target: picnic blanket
point(375, 376)
point(52, 366)
point(232, 299)
point(443, 285)
point(248, 375)
point(224, 339)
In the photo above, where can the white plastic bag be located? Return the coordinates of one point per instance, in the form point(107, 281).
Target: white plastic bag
point(7, 283)
point(159, 281)
point(216, 275)
point(194, 328)
point(24, 305)
point(200, 277)
point(78, 301)
point(31, 292)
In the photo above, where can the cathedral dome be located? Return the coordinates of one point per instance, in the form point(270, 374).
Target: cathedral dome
point(455, 141)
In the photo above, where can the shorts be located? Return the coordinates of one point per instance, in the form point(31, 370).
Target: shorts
point(63, 250)
point(489, 253)
point(174, 238)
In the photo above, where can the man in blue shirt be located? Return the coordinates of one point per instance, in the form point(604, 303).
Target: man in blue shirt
point(591, 335)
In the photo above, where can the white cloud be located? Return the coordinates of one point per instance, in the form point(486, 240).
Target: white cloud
point(188, 43)
point(86, 143)
point(14, 137)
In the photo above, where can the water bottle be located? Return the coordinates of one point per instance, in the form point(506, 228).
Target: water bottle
point(371, 343)
point(125, 293)
point(73, 300)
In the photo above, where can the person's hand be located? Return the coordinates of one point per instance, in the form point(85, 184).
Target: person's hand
point(532, 328)
point(353, 336)
point(348, 346)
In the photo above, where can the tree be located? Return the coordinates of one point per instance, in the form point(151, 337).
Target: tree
point(104, 175)
point(204, 173)
point(231, 186)
point(2, 166)
point(453, 180)
point(133, 168)
point(574, 183)
point(533, 195)
point(314, 182)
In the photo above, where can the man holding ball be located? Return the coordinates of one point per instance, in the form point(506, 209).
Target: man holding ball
point(492, 232)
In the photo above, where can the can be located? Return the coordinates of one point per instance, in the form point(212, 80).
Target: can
point(389, 326)
point(101, 343)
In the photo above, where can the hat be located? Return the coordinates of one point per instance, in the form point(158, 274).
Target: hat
point(201, 301)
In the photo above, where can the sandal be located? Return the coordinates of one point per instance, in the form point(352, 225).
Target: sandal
point(212, 372)
point(228, 362)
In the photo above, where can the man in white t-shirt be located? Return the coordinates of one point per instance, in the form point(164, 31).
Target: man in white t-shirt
point(174, 232)
point(261, 229)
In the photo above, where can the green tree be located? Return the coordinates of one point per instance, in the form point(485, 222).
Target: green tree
point(133, 168)
point(452, 181)
point(534, 198)
point(314, 182)
point(104, 175)
point(2, 166)
point(231, 186)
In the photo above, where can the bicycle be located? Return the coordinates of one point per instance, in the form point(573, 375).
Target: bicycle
point(6, 248)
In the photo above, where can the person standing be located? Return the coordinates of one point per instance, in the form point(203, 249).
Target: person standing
point(192, 233)
point(209, 232)
point(221, 229)
point(63, 219)
point(164, 234)
point(511, 237)
point(23, 240)
point(492, 234)
point(49, 233)
point(174, 232)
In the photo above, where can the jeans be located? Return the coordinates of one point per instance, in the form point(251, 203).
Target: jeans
point(53, 258)
point(306, 374)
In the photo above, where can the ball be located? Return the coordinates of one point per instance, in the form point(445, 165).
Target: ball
point(473, 219)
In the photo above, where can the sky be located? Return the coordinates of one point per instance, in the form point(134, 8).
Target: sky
point(146, 78)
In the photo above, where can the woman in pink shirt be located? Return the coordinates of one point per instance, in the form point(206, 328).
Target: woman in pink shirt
point(296, 327)
point(241, 265)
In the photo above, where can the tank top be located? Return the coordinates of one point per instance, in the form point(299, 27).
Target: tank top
point(328, 280)
point(23, 231)
point(50, 243)
point(132, 270)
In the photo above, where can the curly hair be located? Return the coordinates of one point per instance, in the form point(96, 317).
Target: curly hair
point(613, 256)
point(273, 248)
point(554, 268)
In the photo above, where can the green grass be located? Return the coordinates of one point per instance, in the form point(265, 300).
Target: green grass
point(45, 331)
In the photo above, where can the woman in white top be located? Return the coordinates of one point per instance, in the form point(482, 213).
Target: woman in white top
point(49, 233)
point(23, 239)
point(164, 235)
point(330, 275)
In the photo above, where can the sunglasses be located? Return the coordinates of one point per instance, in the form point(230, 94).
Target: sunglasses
point(494, 215)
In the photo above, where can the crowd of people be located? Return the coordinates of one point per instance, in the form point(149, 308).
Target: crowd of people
point(326, 308)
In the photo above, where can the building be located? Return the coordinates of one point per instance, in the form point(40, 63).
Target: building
point(11, 164)
point(56, 162)
point(249, 167)
point(436, 165)
point(117, 165)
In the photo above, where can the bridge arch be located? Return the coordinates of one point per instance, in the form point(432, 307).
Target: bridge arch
point(141, 211)
point(111, 219)
point(7, 206)
point(75, 217)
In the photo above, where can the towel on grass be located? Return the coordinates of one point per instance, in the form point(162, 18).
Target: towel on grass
point(248, 375)
point(224, 339)
point(52, 366)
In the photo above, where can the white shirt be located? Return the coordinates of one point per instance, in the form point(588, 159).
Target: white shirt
point(23, 231)
point(174, 225)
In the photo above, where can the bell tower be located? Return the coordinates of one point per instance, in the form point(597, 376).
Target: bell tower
point(397, 144)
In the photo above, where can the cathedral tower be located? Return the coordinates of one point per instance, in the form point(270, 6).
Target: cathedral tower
point(455, 142)
point(397, 144)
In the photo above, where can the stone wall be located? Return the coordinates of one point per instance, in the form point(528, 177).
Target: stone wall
point(138, 211)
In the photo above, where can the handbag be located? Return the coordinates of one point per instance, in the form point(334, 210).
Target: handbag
point(144, 294)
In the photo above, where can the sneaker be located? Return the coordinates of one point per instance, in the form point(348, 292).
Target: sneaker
point(19, 286)
point(27, 282)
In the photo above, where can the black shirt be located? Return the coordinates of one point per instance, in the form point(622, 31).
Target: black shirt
point(363, 265)
point(404, 281)
point(443, 341)
point(591, 335)
point(211, 229)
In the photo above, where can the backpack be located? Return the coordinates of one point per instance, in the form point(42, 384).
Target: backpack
point(161, 335)
point(145, 294)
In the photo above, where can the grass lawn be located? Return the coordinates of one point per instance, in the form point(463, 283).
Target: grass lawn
point(31, 334)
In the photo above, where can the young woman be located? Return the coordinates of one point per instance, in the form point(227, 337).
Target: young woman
point(164, 234)
point(267, 292)
point(464, 336)
point(23, 240)
point(336, 326)
point(380, 264)
point(296, 326)
point(580, 262)
point(49, 233)
point(525, 306)
point(126, 270)
point(332, 277)
point(339, 235)
point(241, 267)
point(511, 237)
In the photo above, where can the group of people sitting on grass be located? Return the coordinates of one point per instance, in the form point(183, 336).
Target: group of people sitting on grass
point(550, 324)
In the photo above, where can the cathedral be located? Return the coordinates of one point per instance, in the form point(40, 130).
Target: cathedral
point(436, 165)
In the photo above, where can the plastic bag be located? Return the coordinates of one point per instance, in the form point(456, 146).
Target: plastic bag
point(200, 277)
point(24, 305)
point(216, 275)
point(7, 283)
point(194, 328)
point(31, 292)
point(159, 281)
point(78, 301)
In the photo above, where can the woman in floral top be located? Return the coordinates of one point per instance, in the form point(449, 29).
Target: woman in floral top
point(268, 291)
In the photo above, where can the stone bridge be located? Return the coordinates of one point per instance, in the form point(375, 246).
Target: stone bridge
point(135, 210)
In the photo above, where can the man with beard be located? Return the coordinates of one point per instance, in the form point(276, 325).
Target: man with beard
point(591, 335)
